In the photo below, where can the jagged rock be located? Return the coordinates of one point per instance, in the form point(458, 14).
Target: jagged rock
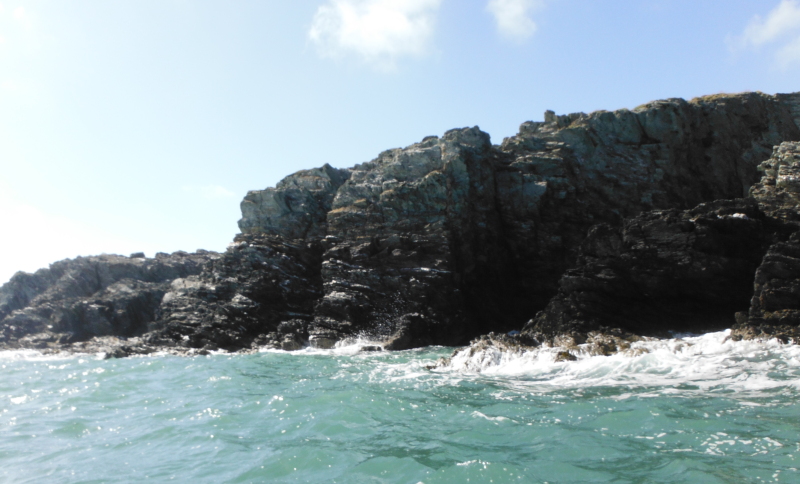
point(261, 284)
point(404, 232)
point(77, 299)
point(778, 191)
point(296, 208)
point(775, 306)
point(452, 237)
point(474, 237)
point(673, 271)
point(565, 356)
point(564, 176)
point(322, 339)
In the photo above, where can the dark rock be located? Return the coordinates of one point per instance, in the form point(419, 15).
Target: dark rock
point(673, 270)
point(453, 237)
point(262, 284)
point(75, 300)
point(775, 306)
point(563, 176)
point(323, 339)
point(291, 342)
point(474, 237)
point(565, 356)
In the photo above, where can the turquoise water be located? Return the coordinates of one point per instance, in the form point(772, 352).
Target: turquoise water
point(695, 410)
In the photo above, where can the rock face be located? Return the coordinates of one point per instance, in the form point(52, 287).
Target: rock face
point(77, 299)
point(241, 297)
point(573, 172)
point(775, 306)
point(452, 237)
point(664, 271)
point(296, 208)
point(407, 233)
point(725, 263)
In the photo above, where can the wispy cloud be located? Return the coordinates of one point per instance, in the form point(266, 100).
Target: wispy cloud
point(23, 17)
point(513, 17)
point(780, 28)
point(378, 31)
point(209, 192)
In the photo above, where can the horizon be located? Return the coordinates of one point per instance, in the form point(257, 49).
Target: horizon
point(140, 127)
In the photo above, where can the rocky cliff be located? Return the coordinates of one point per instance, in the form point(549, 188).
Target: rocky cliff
point(632, 219)
point(774, 309)
point(76, 300)
point(727, 263)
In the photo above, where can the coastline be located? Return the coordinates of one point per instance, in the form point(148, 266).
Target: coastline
point(602, 228)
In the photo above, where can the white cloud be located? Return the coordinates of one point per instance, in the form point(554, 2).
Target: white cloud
point(513, 17)
point(781, 26)
point(783, 19)
point(19, 13)
point(378, 31)
point(210, 192)
point(789, 54)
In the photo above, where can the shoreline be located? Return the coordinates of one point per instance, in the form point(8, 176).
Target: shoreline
point(602, 228)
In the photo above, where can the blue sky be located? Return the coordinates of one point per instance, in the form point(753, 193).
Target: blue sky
point(139, 125)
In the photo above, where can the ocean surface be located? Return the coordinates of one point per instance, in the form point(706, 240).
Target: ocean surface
point(690, 410)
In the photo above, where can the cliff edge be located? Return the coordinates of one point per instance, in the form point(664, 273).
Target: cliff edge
point(640, 220)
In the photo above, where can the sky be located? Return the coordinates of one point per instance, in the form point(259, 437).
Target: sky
point(130, 126)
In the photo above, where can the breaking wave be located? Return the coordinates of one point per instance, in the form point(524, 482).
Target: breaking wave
point(706, 363)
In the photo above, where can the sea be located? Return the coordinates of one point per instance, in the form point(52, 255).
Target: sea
point(692, 409)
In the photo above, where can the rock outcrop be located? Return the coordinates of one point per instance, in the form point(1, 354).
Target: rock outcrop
point(632, 219)
point(74, 300)
point(296, 208)
point(260, 287)
point(454, 237)
point(727, 263)
point(664, 271)
point(775, 306)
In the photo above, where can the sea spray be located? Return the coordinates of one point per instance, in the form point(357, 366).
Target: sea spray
point(690, 409)
point(706, 361)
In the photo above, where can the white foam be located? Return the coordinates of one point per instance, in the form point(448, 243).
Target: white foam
point(706, 362)
point(346, 347)
point(34, 355)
